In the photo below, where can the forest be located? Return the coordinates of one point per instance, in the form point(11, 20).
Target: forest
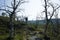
point(13, 27)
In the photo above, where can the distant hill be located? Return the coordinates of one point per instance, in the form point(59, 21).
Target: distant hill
point(43, 21)
point(5, 21)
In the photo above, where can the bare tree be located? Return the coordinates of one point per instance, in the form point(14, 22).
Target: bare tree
point(15, 5)
point(46, 14)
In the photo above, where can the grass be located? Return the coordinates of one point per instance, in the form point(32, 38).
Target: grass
point(21, 35)
point(3, 37)
point(17, 37)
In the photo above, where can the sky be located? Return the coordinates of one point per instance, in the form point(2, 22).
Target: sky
point(33, 9)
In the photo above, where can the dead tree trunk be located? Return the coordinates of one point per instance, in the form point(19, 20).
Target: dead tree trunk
point(46, 16)
point(11, 28)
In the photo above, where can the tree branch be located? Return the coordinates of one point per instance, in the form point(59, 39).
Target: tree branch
point(53, 10)
point(20, 10)
point(6, 11)
point(10, 7)
point(12, 4)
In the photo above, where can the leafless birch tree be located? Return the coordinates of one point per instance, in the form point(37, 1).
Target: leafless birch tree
point(14, 6)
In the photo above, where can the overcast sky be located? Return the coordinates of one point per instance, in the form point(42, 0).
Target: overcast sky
point(32, 9)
